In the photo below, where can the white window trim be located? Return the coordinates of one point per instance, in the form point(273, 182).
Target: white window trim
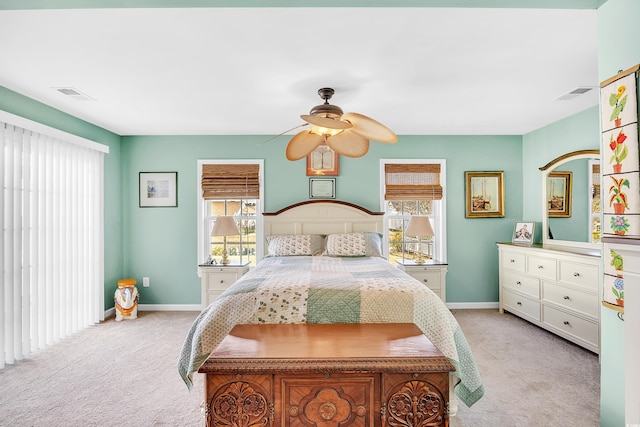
point(203, 251)
point(440, 221)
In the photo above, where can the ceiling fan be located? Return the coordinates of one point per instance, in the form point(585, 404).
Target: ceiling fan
point(347, 134)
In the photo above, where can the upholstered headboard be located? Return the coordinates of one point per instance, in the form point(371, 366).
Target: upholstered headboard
point(322, 217)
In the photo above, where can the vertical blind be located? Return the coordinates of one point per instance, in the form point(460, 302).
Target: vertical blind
point(420, 181)
point(51, 254)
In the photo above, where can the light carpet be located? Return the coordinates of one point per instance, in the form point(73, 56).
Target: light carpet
point(124, 374)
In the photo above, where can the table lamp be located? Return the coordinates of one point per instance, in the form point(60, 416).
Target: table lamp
point(419, 226)
point(225, 226)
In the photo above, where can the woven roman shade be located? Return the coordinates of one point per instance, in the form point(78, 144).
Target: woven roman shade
point(230, 181)
point(412, 182)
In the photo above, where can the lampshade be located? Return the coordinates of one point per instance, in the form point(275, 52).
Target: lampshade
point(419, 226)
point(225, 226)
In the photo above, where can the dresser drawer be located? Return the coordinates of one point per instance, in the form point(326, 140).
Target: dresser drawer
point(429, 278)
point(545, 268)
point(522, 283)
point(583, 275)
point(221, 281)
point(569, 324)
point(513, 261)
point(572, 299)
point(520, 304)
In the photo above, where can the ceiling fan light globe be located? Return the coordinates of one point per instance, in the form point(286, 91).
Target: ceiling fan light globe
point(319, 130)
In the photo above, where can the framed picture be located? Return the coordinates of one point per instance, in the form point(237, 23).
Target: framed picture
point(158, 189)
point(484, 194)
point(523, 233)
point(559, 194)
point(323, 161)
point(322, 188)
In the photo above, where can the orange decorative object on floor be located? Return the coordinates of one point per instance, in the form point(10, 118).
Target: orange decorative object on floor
point(126, 300)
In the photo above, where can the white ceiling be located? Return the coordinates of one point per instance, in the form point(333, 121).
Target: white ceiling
point(204, 71)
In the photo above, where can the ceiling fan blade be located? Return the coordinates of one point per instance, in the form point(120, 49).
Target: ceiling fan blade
point(349, 144)
point(369, 128)
point(302, 144)
point(326, 122)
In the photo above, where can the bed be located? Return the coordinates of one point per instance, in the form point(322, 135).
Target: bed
point(325, 264)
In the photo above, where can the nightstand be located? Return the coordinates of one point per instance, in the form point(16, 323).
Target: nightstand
point(215, 279)
point(431, 273)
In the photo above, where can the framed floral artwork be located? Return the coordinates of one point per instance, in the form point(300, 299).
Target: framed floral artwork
point(484, 194)
point(559, 194)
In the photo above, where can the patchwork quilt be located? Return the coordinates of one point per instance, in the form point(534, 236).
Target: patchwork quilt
point(322, 289)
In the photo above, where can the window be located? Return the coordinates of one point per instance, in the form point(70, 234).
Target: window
point(413, 187)
point(230, 188)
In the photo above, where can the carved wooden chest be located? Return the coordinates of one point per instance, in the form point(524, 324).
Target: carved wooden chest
point(327, 375)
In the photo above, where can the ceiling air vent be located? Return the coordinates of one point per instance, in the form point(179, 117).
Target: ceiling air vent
point(74, 93)
point(575, 92)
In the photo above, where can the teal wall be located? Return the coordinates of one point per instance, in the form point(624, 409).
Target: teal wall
point(618, 49)
point(578, 132)
point(161, 242)
point(17, 104)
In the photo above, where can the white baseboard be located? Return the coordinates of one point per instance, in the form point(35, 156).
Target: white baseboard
point(169, 307)
point(197, 307)
point(472, 305)
point(158, 307)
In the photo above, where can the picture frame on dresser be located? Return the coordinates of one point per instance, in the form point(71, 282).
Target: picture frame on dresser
point(523, 233)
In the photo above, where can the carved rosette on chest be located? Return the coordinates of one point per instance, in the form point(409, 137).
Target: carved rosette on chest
point(414, 403)
point(239, 404)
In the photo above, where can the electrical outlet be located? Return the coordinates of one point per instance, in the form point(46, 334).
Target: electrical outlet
point(145, 282)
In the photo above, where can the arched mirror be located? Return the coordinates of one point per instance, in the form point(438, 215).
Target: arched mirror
point(571, 201)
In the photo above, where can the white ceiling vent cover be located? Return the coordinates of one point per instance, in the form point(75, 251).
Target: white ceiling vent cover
point(74, 93)
point(575, 92)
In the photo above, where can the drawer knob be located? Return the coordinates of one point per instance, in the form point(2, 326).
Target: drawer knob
point(425, 280)
point(512, 260)
point(566, 297)
point(221, 281)
point(540, 267)
point(576, 274)
point(518, 282)
point(519, 303)
point(566, 322)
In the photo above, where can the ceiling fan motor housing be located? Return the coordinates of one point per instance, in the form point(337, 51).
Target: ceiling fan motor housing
point(326, 109)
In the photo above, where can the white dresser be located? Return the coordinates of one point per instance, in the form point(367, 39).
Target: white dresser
point(555, 289)
point(215, 279)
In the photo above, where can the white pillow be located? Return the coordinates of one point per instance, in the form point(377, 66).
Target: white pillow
point(295, 245)
point(354, 244)
point(349, 244)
